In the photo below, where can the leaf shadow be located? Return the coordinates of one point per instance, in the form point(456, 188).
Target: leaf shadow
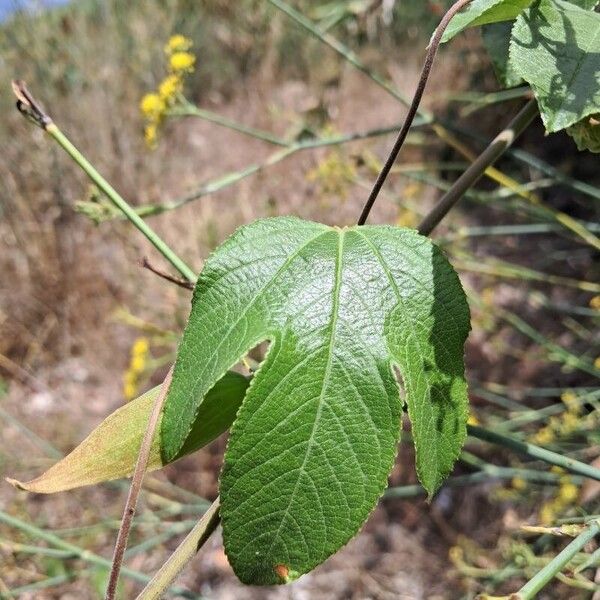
point(568, 62)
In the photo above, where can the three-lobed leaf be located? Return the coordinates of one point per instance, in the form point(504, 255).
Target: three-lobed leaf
point(110, 451)
point(315, 438)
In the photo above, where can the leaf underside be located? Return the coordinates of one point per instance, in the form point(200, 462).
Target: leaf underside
point(110, 451)
point(316, 435)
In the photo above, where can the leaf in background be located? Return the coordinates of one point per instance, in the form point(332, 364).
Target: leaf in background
point(484, 12)
point(496, 38)
point(315, 439)
point(586, 133)
point(111, 450)
point(555, 47)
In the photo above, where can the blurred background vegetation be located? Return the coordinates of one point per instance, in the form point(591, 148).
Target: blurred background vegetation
point(83, 326)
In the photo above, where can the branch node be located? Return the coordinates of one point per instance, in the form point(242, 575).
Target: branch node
point(184, 283)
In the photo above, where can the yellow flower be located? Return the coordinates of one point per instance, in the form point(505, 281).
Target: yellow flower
point(152, 106)
point(169, 87)
point(472, 420)
point(547, 513)
point(569, 423)
point(129, 390)
point(597, 363)
point(129, 385)
point(140, 347)
point(595, 303)
point(151, 134)
point(334, 174)
point(544, 436)
point(138, 363)
point(570, 401)
point(178, 43)
point(519, 483)
point(182, 62)
point(139, 356)
point(567, 493)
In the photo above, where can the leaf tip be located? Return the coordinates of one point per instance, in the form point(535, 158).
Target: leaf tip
point(16, 484)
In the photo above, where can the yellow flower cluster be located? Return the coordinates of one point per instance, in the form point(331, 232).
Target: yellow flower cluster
point(334, 174)
point(154, 105)
point(567, 495)
point(140, 351)
point(562, 426)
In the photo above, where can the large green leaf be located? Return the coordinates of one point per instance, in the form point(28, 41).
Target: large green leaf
point(483, 12)
point(315, 438)
point(110, 451)
point(555, 47)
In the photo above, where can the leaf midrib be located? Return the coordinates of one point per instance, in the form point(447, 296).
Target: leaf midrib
point(326, 375)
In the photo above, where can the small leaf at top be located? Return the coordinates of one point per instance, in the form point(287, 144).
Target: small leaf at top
point(555, 47)
point(315, 438)
point(111, 450)
point(484, 12)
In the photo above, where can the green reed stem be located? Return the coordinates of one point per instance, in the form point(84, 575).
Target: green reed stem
point(189, 110)
point(185, 551)
point(120, 203)
point(486, 159)
point(557, 564)
point(77, 552)
point(533, 451)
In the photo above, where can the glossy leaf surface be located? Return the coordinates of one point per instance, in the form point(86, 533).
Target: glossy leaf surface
point(315, 438)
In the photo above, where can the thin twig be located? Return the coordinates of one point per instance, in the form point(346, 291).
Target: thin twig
point(84, 555)
point(414, 107)
point(134, 490)
point(31, 109)
point(487, 158)
point(184, 283)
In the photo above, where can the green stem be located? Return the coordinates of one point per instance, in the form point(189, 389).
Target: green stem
point(231, 178)
point(85, 555)
point(185, 551)
point(487, 473)
point(119, 202)
point(533, 451)
point(477, 169)
point(559, 562)
point(189, 110)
